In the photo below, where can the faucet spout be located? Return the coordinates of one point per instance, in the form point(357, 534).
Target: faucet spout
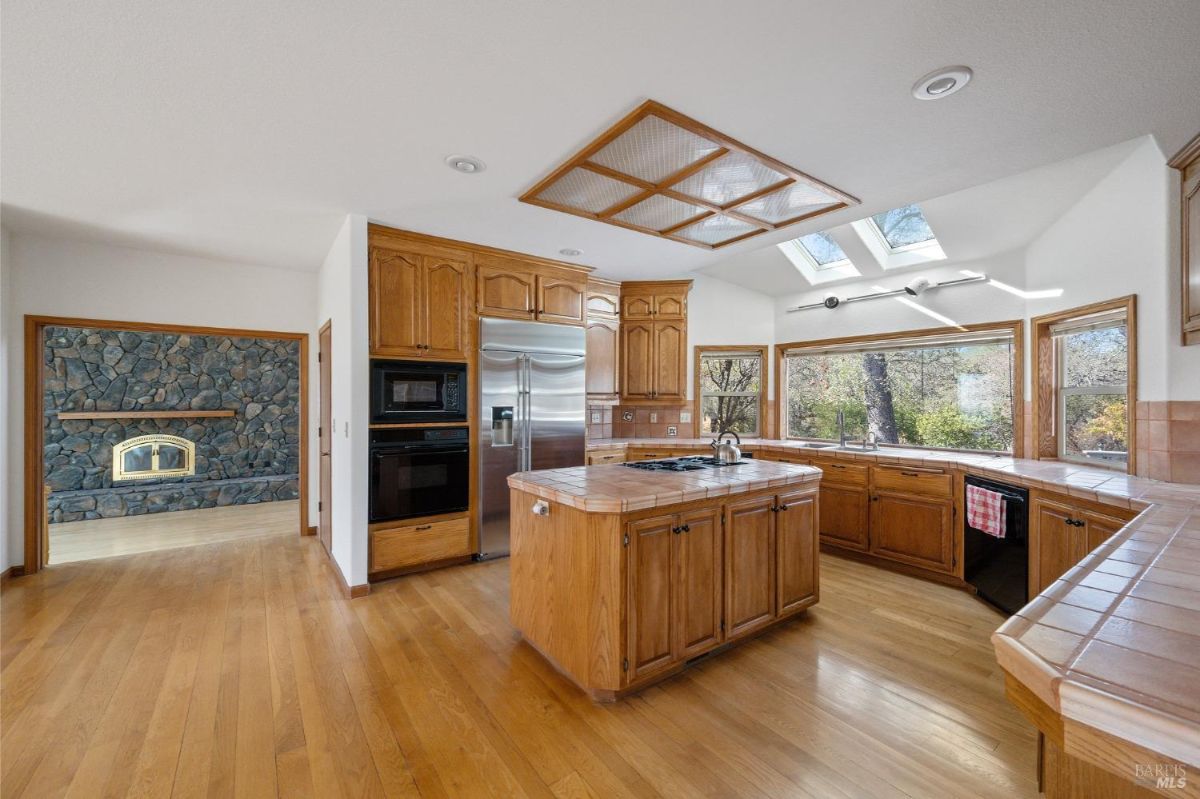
point(841, 423)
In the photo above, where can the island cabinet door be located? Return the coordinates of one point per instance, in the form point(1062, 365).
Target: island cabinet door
point(651, 558)
point(796, 551)
point(749, 565)
point(698, 549)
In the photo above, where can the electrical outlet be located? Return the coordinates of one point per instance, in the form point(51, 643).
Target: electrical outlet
point(653, 418)
point(685, 417)
point(626, 416)
point(672, 430)
point(596, 417)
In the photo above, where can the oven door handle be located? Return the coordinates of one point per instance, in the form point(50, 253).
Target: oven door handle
point(380, 452)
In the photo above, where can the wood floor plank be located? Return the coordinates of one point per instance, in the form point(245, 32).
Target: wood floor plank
point(238, 669)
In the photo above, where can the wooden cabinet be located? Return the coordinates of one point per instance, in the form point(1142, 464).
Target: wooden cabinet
point(602, 305)
point(605, 456)
point(653, 354)
point(1062, 533)
point(797, 552)
point(674, 588)
point(750, 565)
point(512, 288)
point(913, 530)
point(408, 545)
point(419, 302)
point(1187, 161)
point(843, 517)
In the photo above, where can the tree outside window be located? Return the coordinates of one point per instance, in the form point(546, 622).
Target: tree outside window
point(1093, 379)
point(731, 387)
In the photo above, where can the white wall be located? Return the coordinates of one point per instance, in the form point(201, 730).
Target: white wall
point(59, 277)
point(722, 313)
point(342, 299)
point(10, 482)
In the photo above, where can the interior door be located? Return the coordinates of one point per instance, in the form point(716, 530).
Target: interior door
point(325, 437)
point(500, 443)
point(557, 405)
point(698, 583)
point(749, 565)
point(797, 551)
point(650, 602)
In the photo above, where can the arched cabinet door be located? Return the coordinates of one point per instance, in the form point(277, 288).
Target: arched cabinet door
point(505, 289)
point(560, 300)
point(446, 312)
point(397, 307)
point(637, 359)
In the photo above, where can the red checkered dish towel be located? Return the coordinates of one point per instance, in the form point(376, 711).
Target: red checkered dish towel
point(985, 511)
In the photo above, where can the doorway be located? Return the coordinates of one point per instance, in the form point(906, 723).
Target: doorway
point(325, 436)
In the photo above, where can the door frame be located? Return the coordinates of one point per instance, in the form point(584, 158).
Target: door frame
point(34, 472)
point(323, 369)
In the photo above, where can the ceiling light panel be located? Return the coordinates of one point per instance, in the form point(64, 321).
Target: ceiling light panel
point(658, 171)
point(729, 179)
point(659, 212)
point(588, 191)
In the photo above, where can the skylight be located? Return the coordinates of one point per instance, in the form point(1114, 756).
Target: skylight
point(825, 252)
point(903, 227)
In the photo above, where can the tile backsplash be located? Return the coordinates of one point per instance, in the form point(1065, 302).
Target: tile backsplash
point(1168, 441)
point(633, 421)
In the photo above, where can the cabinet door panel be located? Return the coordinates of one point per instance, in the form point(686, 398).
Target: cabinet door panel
point(603, 303)
point(1098, 529)
point(506, 290)
point(670, 306)
point(749, 565)
point(912, 530)
point(560, 300)
point(698, 591)
point(396, 304)
point(650, 611)
point(601, 364)
point(843, 516)
point(670, 362)
point(637, 349)
point(1054, 545)
point(445, 307)
point(637, 307)
point(797, 551)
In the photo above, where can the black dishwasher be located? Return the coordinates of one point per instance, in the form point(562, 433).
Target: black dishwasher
point(998, 568)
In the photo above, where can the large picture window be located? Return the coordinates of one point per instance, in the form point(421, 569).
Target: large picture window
point(730, 388)
point(921, 389)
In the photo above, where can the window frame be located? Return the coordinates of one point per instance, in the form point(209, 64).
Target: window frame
point(1049, 396)
point(1014, 327)
point(812, 259)
point(916, 245)
point(761, 351)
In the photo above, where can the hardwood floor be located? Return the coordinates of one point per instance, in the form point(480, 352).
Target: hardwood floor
point(236, 669)
point(127, 535)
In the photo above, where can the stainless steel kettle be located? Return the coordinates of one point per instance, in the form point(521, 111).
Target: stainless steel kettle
point(724, 452)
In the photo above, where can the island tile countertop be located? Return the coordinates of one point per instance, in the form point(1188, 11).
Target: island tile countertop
point(1115, 642)
point(616, 488)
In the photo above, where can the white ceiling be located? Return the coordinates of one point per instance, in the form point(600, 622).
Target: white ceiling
point(246, 130)
point(971, 225)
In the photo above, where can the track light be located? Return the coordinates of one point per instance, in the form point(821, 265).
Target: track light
point(915, 287)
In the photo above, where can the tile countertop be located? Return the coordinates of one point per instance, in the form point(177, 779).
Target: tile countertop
point(1115, 643)
point(616, 488)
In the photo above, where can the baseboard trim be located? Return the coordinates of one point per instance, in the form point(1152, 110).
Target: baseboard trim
point(11, 572)
point(348, 591)
point(312, 530)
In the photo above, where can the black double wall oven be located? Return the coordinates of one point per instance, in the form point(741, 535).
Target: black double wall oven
point(418, 471)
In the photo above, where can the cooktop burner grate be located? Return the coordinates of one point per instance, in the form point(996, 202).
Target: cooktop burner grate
point(692, 463)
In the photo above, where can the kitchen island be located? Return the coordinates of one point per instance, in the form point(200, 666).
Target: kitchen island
point(621, 576)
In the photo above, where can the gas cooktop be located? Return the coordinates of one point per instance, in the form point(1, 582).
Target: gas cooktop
point(689, 464)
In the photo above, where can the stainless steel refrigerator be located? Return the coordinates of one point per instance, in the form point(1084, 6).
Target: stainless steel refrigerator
point(532, 401)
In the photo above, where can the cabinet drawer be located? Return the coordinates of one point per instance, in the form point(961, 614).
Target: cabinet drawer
point(914, 480)
point(847, 474)
point(416, 544)
point(614, 456)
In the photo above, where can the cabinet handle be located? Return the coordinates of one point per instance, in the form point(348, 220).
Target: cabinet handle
point(423, 527)
point(911, 474)
point(676, 530)
point(836, 466)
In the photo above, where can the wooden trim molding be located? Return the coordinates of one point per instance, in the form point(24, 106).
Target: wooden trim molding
point(700, 350)
point(34, 504)
point(1045, 376)
point(1015, 326)
point(1187, 161)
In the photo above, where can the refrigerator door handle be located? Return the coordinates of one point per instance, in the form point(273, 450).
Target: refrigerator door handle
point(528, 395)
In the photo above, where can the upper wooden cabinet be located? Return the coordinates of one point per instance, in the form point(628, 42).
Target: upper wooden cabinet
point(1187, 161)
point(657, 299)
point(603, 299)
point(602, 304)
point(419, 300)
point(653, 356)
point(512, 288)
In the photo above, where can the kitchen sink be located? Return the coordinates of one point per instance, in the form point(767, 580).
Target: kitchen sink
point(817, 445)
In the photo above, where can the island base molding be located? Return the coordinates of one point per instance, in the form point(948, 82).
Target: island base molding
point(619, 601)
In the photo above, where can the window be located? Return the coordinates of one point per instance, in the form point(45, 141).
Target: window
point(824, 251)
point(903, 228)
point(1092, 360)
point(1083, 406)
point(919, 389)
point(730, 386)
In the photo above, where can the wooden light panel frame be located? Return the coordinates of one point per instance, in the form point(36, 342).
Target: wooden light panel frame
point(646, 189)
point(1015, 326)
point(1044, 402)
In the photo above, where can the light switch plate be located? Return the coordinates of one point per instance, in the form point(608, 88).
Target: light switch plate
point(685, 417)
point(672, 431)
point(596, 417)
point(653, 418)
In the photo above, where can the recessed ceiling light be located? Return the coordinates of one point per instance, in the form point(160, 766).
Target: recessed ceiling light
point(941, 83)
point(570, 252)
point(465, 163)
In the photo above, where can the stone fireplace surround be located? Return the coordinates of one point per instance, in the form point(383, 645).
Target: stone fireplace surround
point(248, 458)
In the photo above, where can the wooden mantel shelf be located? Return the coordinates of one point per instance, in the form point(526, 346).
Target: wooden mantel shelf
point(145, 414)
